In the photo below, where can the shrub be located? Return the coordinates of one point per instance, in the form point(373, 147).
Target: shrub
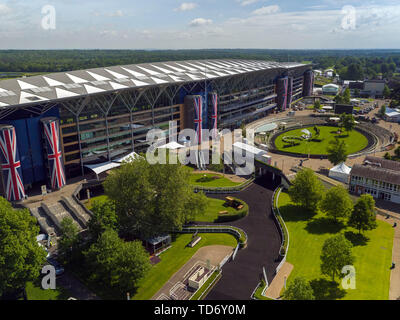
point(238, 214)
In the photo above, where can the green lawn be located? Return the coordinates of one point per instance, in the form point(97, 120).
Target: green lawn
point(373, 254)
point(213, 208)
point(220, 182)
point(34, 291)
point(355, 141)
point(174, 258)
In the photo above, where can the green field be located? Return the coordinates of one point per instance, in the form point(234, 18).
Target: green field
point(212, 180)
point(213, 208)
point(373, 254)
point(35, 292)
point(174, 258)
point(355, 141)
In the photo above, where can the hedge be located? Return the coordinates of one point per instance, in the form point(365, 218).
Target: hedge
point(238, 214)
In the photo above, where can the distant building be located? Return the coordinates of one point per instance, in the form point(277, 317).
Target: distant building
point(330, 89)
point(344, 108)
point(367, 88)
point(378, 177)
point(392, 115)
point(374, 88)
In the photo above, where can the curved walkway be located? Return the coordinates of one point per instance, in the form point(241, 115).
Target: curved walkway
point(239, 278)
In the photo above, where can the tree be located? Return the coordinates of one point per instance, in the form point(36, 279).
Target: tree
point(337, 151)
point(363, 216)
point(196, 206)
point(337, 203)
point(116, 263)
point(150, 200)
point(299, 289)
point(347, 122)
point(346, 96)
point(69, 238)
point(336, 253)
point(317, 105)
point(382, 111)
point(356, 93)
point(386, 92)
point(20, 255)
point(104, 217)
point(387, 156)
point(397, 152)
point(306, 189)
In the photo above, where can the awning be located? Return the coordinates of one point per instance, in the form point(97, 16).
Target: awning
point(105, 166)
point(102, 167)
point(173, 145)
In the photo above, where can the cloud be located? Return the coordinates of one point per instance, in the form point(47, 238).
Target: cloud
point(186, 6)
point(247, 2)
point(117, 13)
point(266, 10)
point(200, 22)
point(4, 9)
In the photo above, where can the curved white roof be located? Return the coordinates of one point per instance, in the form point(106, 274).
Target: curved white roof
point(93, 81)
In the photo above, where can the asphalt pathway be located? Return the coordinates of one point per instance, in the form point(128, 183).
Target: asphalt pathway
point(240, 277)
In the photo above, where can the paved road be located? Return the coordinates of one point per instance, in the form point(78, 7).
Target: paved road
point(240, 277)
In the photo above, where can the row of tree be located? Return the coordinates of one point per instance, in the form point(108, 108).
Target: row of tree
point(309, 192)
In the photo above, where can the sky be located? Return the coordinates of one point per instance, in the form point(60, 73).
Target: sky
point(199, 24)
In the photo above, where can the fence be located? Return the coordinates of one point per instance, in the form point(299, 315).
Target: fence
point(239, 234)
point(235, 252)
point(225, 189)
point(282, 226)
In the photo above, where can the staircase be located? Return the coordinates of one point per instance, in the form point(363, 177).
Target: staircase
point(45, 223)
point(77, 208)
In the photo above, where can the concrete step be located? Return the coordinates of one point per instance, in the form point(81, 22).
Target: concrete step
point(44, 221)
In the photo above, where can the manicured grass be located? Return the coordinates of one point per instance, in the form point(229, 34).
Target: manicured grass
point(195, 180)
point(173, 259)
point(34, 291)
point(373, 254)
point(355, 141)
point(213, 208)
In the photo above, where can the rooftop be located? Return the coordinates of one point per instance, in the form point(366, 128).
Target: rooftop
point(62, 85)
point(378, 169)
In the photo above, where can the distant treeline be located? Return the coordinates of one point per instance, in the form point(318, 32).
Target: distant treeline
point(349, 64)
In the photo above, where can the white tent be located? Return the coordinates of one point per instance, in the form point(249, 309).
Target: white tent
point(341, 172)
point(173, 145)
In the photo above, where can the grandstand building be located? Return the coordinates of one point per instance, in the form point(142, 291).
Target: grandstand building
point(51, 126)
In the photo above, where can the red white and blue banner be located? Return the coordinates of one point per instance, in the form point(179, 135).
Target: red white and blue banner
point(214, 114)
point(11, 164)
point(198, 117)
point(54, 154)
point(290, 92)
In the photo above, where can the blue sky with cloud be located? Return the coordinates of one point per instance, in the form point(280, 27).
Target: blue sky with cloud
point(174, 24)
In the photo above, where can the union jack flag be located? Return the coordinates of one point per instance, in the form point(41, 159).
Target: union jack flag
point(285, 85)
point(291, 91)
point(54, 155)
point(198, 120)
point(214, 115)
point(11, 165)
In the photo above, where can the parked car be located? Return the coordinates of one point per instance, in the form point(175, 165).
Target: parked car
point(59, 268)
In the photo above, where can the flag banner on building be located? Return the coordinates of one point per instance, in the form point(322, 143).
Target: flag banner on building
point(290, 92)
point(214, 114)
point(308, 83)
point(11, 164)
point(198, 117)
point(282, 92)
point(54, 155)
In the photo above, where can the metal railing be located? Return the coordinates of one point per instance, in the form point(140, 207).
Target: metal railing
point(234, 189)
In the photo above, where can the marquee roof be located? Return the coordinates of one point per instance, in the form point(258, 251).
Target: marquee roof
point(72, 84)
